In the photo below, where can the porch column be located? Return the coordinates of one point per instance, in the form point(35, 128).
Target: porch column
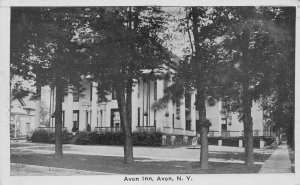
point(193, 112)
point(220, 142)
point(82, 119)
point(182, 115)
point(94, 106)
point(134, 109)
point(240, 143)
point(261, 143)
point(160, 114)
point(69, 112)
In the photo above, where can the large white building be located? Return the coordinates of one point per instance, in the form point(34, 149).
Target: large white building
point(83, 112)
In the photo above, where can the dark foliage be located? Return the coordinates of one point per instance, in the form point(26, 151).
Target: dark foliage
point(48, 136)
point(139, 139)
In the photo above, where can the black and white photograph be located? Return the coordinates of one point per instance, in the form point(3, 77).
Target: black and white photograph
point(150, 93)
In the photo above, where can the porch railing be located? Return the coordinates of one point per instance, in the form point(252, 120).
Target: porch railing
point(167, 130)
point(230, 133)
point(178, 131)
point(102, 130)
point(51, 128)
point(269, 133)
point(146, 129)
point(266, 133)
point(212, 133)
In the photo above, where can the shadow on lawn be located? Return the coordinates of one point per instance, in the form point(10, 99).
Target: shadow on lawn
point(258, 157)
point(141, 166)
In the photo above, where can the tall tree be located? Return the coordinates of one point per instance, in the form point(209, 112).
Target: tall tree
point(282, 101)
point(251, 52)
point(204, 27)
point(196, 72)
point(207, 24)
point(43, 46)
point(124, 44)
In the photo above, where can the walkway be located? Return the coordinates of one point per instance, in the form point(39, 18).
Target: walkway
point(279, 161)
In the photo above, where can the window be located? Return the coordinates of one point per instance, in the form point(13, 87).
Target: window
point(91, 91)
point(86, 117)
point(188, 125)
point(101, 117)
point(224, 121)
point(63, 118)
point(154, 117)
point(173, 121)
point(155, 90)
point(114, 94)
point(139, 116)
point(76, 96)
point(75, 121)
point(97, 118)
point(165, 84)
point(138, 87)
point(187, 100)
point(75, 115)
point(188, 111)
point(115, 118)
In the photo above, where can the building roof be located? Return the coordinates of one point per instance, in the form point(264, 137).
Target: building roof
point(29, 104)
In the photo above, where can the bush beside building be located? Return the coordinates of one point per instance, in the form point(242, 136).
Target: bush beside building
point(48, 136)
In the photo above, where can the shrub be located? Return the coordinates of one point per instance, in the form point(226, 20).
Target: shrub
point(66, 137)
point(138, 139)
point(85, 138)
point(48, 136)
point(111, 139)
point(41, 136)
point(147, 139)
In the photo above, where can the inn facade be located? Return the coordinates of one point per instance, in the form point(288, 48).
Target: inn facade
point(83, 112)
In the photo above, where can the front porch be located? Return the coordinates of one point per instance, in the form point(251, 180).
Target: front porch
point(147, 129)
point(140, 129)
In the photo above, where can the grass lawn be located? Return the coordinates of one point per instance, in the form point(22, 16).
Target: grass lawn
point(141, 166)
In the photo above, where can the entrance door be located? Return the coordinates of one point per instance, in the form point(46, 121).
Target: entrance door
point(75, 121)
point(224, 132)
point(27, 128)
point(115, 118)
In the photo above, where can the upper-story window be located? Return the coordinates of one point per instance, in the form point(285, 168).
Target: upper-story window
point(76, 96)
point(91, 91)
point(165, 84)
point(63, 118)
point(138, 87)
point(155, 90)
point(113, 94)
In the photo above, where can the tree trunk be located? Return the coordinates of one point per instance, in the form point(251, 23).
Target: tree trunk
point(203, 129)
point(198, 72)
point(246, 99)
point(38, 106)
point(58, 119)
point(248, 126)
point(128, 149)
point(204, 148)
point(129, 103)
point(248, 130)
